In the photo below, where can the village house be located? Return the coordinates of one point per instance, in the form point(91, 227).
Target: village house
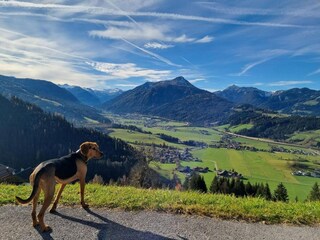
point(229, 174)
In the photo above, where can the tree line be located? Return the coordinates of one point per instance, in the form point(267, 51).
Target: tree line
point(237, 187)
point(267, 126)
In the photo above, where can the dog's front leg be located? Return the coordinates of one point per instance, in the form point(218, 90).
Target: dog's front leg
point(82, 186)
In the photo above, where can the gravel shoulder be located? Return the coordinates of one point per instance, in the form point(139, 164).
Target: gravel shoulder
point(76, 223)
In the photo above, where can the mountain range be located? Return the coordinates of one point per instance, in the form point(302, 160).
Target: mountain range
point(92, 97)
point(174, 99)
point(50, 97)
point(300, 101)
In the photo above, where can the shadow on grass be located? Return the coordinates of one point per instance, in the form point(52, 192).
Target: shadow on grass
point(109, 229)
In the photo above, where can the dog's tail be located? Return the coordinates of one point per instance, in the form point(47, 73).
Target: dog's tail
point(34, 189)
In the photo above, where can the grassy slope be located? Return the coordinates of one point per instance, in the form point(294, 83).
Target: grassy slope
point(263, 167)
point(228, 207)
point(307, 138)
point(235, 129)
point(136, 137)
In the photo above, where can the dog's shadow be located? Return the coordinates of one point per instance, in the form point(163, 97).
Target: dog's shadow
point(108, 229)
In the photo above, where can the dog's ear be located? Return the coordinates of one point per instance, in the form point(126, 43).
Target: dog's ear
point(84, 148)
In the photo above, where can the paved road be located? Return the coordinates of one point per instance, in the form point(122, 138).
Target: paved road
point(77, 223)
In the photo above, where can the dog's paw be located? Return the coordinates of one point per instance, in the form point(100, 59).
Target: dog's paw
point(53, 210)
point(46, 229)
point(84, 205)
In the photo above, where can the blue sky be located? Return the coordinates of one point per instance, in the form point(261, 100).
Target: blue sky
point(269, 44)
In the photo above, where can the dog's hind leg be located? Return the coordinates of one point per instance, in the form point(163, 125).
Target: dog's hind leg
point(35, 221)
point(48, 186)
point(54, 206)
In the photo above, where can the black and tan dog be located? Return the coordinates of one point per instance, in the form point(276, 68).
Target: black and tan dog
point(63, 170)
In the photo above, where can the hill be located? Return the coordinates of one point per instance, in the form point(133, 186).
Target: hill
point(90, 96)
point(269, 125)
point(29, 136)
point(49, 97)
point(300, 101)
point(244, 95)
point(175, 99)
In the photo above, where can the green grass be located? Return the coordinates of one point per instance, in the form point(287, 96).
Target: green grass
point(265, 167)
point(253, 143)
point(236, 129)
point(137, 137)
point(212, 205)
point(306, 138)
point(199, 134)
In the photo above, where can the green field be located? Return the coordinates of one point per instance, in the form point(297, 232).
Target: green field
point(238, 128)
point(160, 126)
point(261, 167)
point(134, 138)
point(199, 134)
point(255, 166)
point(271, 168)
point(309, 138)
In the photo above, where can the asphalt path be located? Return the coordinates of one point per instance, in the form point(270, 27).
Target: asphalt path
point(76, 223)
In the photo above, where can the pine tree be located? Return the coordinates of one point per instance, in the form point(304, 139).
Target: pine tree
point(214, 187)
point(232, 185)
point(239, 188)
point(202, 184)
point(249, 189)
point(314, 194)
point(197, 183)
point(260, 190)
point(224, 186)
point(267, 193)
point(242, 189)
point(185, 184)
point(281, 194)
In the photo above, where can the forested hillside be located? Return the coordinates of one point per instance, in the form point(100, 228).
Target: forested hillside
point(297, 101)
point(269, 125)
point(29, 136)
point(49, 97)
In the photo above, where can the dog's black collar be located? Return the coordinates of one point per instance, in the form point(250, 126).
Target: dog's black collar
point(82, 157)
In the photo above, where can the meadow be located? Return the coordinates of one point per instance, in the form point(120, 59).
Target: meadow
point(212, 205)
point(259, 166)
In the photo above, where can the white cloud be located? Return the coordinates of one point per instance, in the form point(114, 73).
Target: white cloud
point(129, 70)
point(126, 85)
point(156, 45)
point(35, 57)
point(145, 31)
point(88, 9)
point(288, 83)
point(182, 39)
point(247, 67)
point(205, 39)
point(154, 55)
point(314, 72)
point(309, 10)
point(197, 80)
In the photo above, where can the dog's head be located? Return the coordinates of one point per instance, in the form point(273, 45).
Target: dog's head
point(91, 150)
